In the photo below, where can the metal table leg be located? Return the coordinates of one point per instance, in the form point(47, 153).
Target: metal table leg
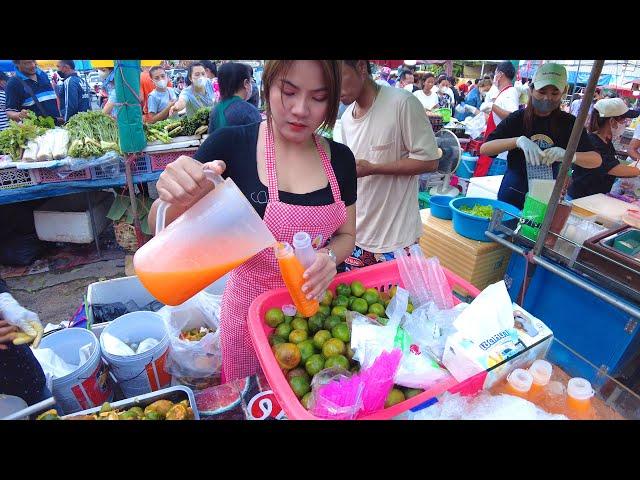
point(93, 224)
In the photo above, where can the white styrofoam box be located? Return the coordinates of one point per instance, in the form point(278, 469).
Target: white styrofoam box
point(67, 219)
point(485, 187)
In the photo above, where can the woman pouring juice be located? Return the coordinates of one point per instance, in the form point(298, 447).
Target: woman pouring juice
point(537, 135)
point(295, 180)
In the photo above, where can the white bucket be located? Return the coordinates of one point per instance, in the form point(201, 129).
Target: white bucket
point(87, 386)
point(144, 372)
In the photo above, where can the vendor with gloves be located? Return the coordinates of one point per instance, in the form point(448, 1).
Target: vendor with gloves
point(537, 135)
point(609, 118)
point(20, 373)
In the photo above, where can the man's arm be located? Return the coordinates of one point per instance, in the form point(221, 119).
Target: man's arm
point(13, 101)
point(626, 171)
point(72, 95)
point(404, 166)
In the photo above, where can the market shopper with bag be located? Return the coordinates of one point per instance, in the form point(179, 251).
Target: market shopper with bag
point(609, 118)
point(537, 135)
point(296, 181)
point(30, 89)
point(389, 133)
point(498, 108)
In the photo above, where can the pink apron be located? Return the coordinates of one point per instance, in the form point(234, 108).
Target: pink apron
point(261, 273)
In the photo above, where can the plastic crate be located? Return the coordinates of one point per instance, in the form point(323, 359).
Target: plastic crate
point(160, 160)
point(498, 167)
point(56, 175)
point(142, 164)
point(14, 178)
point(382, 277)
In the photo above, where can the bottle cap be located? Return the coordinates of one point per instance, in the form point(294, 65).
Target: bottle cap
point(580, 389)
point(541, 371)
point(301, 240)
point(520, 380)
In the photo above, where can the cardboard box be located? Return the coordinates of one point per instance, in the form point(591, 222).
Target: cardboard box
point(528, 340)
point(480, 263)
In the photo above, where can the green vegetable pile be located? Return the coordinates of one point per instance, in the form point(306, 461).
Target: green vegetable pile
point(13, 140)
point(92, 134)
point(482, 211)
point(190, 125)
point(165, 130)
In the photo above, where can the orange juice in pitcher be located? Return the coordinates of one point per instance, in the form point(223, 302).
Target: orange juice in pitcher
point(218, 233)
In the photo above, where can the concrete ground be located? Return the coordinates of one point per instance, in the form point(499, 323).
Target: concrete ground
point(56, 296)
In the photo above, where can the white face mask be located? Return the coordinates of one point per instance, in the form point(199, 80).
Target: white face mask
point(618, 130)
point(161, 84)
point(200, 82)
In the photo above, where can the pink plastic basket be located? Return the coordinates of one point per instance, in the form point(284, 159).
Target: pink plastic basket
point(53, 175)
point(14, 178)
point(160, 160)
point(381, 277)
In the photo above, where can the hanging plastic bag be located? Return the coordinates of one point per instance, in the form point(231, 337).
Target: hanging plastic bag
point(193, 352)
point(475, 126)
point(336, 394)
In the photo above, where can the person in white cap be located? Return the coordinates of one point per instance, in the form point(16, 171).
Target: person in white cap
point(608, 120)
point(537, 135)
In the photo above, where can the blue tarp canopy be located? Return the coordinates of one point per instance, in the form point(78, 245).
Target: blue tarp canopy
point(7, 66)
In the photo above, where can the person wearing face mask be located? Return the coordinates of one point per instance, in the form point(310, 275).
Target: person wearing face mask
point(198, 93)
point(427, 96)
point(235, 91)
point(607, 123)
point(107, 75)
point(537, 135)
point(475, 97)
point(446, 99)
point(162, 98)
point(295, 179)
point(406, 80)
point(73, 91)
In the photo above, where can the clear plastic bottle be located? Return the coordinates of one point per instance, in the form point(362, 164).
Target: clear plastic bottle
point(579, 394)
point(541, 372)
point(304, 251)
point(292, 273)
point(519, 383)
point(554, 399)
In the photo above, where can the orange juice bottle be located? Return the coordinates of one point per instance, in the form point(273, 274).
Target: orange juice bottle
point(519, 383)
point(541, 372)
point(579, 393)
point(292, 270)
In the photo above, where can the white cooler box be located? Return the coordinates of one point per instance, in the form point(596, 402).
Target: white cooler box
point(66, 219)
point(484, 187)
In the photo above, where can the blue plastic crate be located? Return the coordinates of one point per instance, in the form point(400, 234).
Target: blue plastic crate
point(498, 167)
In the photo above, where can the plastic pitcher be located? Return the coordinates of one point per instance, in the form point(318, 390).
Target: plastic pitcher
point(217, 234)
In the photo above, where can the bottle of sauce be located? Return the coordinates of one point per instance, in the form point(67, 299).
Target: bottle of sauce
point(292, 273)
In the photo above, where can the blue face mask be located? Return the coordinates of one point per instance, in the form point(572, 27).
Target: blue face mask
point(544, 105)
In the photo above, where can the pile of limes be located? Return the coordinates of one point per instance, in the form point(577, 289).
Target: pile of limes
point(305, 346)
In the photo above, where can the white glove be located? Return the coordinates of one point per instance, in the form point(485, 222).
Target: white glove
point(471, 109)
point(554, 154)
point(486, 107)
point(26, 320)
point(532, 152)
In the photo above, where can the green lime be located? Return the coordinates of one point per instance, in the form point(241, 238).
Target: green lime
point(333, 347)
point(351, 300)
point(316, 322)
point(360, 305)
point(343, 289)
point(287, 319)
point(300, 324)
point(305, 400)
point(337, 361)
point(314, 364)
point(332, 320)
point(274, 317)
point(297, 372)
point(371, 296)
point(341, 332)
point(340, 312)
point(297, 336)
point(320, 337)
point(395, 396)
point(410, 308)
point(283, 330)
point(327, 298)
point(300, 386)
point(357, 288)
point(287, 355)
point(275, 339)
point(342, 301)
point(306, 350)
point(324, 310)
point(412, 392)
point(377, 309)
